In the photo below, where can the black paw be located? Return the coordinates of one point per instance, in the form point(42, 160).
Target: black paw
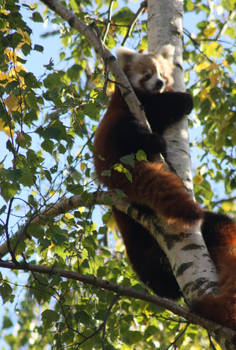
point(157, 144)
point(188, 103)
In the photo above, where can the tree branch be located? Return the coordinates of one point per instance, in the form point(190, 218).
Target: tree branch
point(124, 291)
point(141, 9)
point(93, 38)
point(108, 22)
point(68, 204)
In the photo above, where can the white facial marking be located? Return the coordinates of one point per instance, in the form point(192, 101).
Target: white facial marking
point(135, 80)
point(156, 81)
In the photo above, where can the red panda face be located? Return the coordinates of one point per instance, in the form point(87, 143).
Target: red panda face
point(148, 72)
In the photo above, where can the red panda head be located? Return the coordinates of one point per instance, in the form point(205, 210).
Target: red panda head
point(148, 72)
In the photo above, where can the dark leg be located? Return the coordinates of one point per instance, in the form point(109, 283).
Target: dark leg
point(146, 257)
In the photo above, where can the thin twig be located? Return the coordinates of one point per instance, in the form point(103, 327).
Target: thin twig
point(179, 335)
point(108, 22)
point(196, 45)
point(211, 342)
point(232, 199)
point(103, 326)
point(141, 9)
point(225, 25)
point(9, 247)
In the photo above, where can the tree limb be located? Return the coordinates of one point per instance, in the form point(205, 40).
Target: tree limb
point(93, 38)
point(125, 291)
point(141, 9)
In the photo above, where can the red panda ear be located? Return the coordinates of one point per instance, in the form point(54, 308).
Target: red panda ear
point(125, 55)
point(167, 51)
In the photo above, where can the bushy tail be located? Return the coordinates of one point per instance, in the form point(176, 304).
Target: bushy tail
point(219, 232)
point(164, 192)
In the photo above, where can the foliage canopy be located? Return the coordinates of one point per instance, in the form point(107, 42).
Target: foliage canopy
point(47, 123)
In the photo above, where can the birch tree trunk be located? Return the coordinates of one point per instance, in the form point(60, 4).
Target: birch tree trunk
point(199, 275)
point(165, 27)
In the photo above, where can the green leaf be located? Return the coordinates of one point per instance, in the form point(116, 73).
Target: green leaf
point(27, 178)
point(8, 190)
point(91, 110)
point(48, 145)
point(74, 72)
point(39, 48)
point(83, 317)
point(128, 160)
point(36, 17)
point(51, 133)
point(31, 80)
point(7, 323)
point(32, 100)
point(141, 155)
point(6, 292)
point(52, 80)
point(12, 174)
point(49, 317)
point(13, 40)
point(35, 230)
point(128, 175)
point(229, 4)
point(26, 48)
point(2, 210)
point(188, 5)
point(124, 16)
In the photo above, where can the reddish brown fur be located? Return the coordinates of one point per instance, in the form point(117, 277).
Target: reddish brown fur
point(219, 232)
point(163, 192)
point(152, 184)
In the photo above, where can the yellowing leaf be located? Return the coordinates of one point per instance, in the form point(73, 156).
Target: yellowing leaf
point(210, 31)
point(83, 166)
point(119, 167)
point(214, 79)
point(84, 254)
point(5, 129)
point(111, 223)
point(197, 180)
point(12, 56)
point(201, 66)
point(25, 38)
point(13, 103)
point(204, 94)
point(213, 66)
point(81, 209)
point(213, 49)
point(225, 63)
point(228, 206)
point(3, 76)
point(69, 216)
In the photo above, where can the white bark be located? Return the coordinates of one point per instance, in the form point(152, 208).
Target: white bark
point(188, 255)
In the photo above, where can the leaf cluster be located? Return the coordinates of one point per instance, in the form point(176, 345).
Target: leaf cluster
point(47, 125)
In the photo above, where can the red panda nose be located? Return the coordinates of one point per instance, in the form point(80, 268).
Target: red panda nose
point(159, 84)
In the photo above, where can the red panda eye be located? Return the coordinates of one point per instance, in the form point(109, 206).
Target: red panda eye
point(147, 76)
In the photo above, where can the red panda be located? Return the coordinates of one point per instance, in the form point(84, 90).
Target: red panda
point(120, 134)
point(152, 187)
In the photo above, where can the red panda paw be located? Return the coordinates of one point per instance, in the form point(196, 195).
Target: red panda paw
point(218, 308)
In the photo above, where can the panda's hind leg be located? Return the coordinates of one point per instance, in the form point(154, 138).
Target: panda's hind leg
point(146, 257)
